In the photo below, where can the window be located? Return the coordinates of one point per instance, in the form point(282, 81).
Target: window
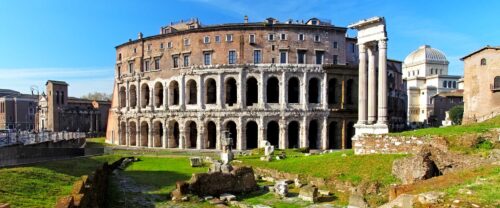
point(283, 36)
point(175, 61)
point(257, 57)
point(496, 82)
point(301, 56)
point(135, 50)
point(161, 45)
point(229, 38)
point(62, 98)
point(119, 57)
point(186, 60)
point(149, 47)
point(317, 38)
point(335, 44)
point(131, 67)
point(207, 58)
point(454, 84)
point(169, 45)
point(335, 59)
point(206, 39)
point(157, 64)
point(186, 42)
point(353, 46)
point(232, 57)
point(251, 39)
point(301, 37)
point(283, 57)
point(483, 62)
point(319, 57)
point(217, 39)
point(270, 37)
point(146, 65)
point(444, 84)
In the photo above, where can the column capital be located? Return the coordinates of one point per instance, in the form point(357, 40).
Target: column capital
point(361, 47)
point(382, 43)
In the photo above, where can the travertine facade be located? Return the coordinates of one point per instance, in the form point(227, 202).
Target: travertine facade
point(481, 84)
point(293, 84)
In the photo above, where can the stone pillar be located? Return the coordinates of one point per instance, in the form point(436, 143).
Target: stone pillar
point(304, 91)
point(127, 134)
point(127, 95)
point(200, 140)
point(138, 96)
point(283, 140)
point(243, 136)
point(283, 98)
point(343, 94)
point(324, 91)
point(303, 133)
point(240, 143)
point(165, 96)
point(324, 133)
point(150, 133)
point(182, 136)
point(218, 134)
point(262, 91)
point(262, 132)
point(344, 133)
point(199, 94)
point(372, 87)
point(220, 89)
point(152, 98)
point(138, 137)
point(241, 93)
point(382, 82)
point(182, 90)
point(362, 95)
point(165, 135)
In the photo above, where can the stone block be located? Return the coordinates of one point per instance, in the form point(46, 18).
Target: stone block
point(227, 197)
point(196, 162)
point(309, 193)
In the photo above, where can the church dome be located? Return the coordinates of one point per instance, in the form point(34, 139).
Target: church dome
point(425, 54)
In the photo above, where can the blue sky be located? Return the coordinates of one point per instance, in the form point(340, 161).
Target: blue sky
point(74, 40)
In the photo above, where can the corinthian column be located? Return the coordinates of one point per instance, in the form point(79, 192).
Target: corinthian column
point(362, 76)
point(382, 82)
point(372, 86)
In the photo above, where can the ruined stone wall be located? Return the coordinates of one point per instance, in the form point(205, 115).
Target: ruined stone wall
point(384, 144)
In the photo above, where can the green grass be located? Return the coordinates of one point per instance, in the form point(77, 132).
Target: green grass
point(40, 185)
point(98, 142)
point(351, 168)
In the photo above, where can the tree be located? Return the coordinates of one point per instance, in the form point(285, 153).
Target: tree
point(97, 96)
point(456, 114)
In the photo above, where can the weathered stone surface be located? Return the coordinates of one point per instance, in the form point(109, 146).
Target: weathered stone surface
point(64, 202)
point(215, 167)
point(403, 201)
point(357, 200)
point(196, 161)
point(324, 192)
point(226, 168)
point(298, 183)
point(281, 188)
point(241, 179)
point(309, 193)
point(432, 197)
point(227, 197)
point(418, 167)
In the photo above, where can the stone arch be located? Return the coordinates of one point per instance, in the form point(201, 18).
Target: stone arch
point(273, 133)
point(252, 135)
point(158, 90)
point(144, 133)
point(293, 134)
point(293, 90)
point(252, 91)
point(231, 95)
point(145, 99)
point(332, 95)
point(191, 132)
point(123, 133)
point(314, 90)
point(157, 134)
point(132, 133)
point(191, 92)
point(174, 134)
point(123, 97)
point(211, 133)
point(350, 133)
point(210, 91)
point(313, 134)
point(232, 128)
point(349, 96)
point(173, 89)
point(273, 90)
point(133, 96)
point(334, 141)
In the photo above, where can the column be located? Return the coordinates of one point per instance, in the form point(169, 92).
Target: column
point(127, 134)
point(150, 133)
point(200, 141)
point(362, 98)
point(218, 135)
point(199, 94)
point(165, 134)
point(343, 93)
point(372, 86)
point(138, 138)
point(240, 84)
point(324, 91)
point(283, 97)
point(165, 96)
point(262, 132)
point(182, 136)
point(304, 91)
point(138, 94)
point(382, 82)
point(239, 134)
point(303, 133)
point(220, 102)
point(283, 140)
point(182, 87)
point(262, 91)
point(127, 97)
point(152, 98)
point(343, 133)
point(324, 133)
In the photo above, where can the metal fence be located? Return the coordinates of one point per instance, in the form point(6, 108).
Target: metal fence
point(27, 138)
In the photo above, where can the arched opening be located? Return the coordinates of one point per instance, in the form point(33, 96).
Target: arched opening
point(174, 134)
point(174, 93)
point(144, 134)
point(132, 133)
point(211, 91)
point(231, 127)
point(123, 97)
point(334, 141)
point(273, 133)
point(191, 134)
point(191, 90)
point(332, 95)
point(133, 96)
point(350, 134)
point(252, 91)
point(293, 134)
point(314, 89)
point(252, 130)
point(211, 135)
point(123, 134)
point(144, 95)
point(231, 92)
point(293, 90)
point(273, 90)
point(349, 96)
point(158, 94)
point(313, 135)
point(157, 134)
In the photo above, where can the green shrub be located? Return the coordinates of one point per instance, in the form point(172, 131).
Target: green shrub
point(485, 144)
point(456, 114)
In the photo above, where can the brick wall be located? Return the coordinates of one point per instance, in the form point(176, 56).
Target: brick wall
point(384, 144)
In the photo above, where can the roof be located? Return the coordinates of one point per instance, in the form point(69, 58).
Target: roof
point(56, 82)
point(27, 96)
point(425, 54)
point(481, 49)
point(4, 92)
point(453, 93)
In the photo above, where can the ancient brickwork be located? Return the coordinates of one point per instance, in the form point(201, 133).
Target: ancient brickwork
point(384, 144)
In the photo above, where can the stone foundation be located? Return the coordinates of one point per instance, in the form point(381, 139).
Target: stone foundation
point(384, 144)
